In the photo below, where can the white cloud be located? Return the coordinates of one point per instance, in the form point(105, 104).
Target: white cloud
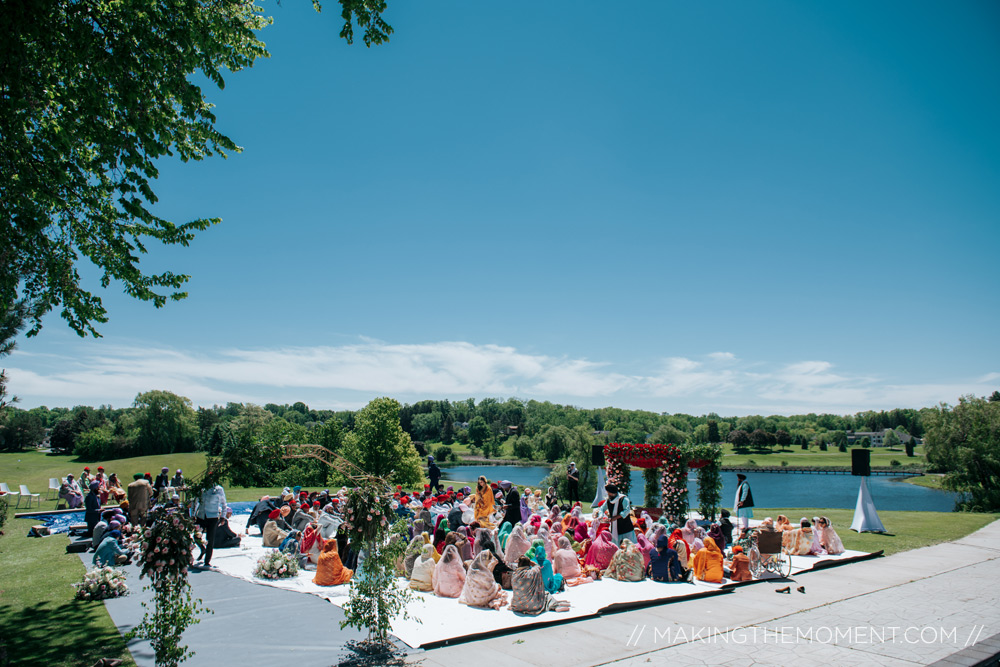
point(347, 376)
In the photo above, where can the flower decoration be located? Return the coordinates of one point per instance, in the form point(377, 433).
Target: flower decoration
point(102, 583)
point(276, 565)
point(166, 548)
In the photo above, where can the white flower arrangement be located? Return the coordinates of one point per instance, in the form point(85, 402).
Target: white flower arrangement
point(102, 583)
point(276, 565)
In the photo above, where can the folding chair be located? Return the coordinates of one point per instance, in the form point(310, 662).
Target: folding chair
point(8, 493)
point(54, 488)
point(30, 496)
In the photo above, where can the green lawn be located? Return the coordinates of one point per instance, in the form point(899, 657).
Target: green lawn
point(40, 622)
point(795, 456)
point(930, 480)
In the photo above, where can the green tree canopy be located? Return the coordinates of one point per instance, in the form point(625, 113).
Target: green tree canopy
point(379, 445)
point(964, 442)
point(167, 423)
point(92, 94)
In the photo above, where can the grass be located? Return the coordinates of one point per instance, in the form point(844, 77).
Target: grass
point(40, 622)
point(813, 457)
point(930, 480)
point(907, 530)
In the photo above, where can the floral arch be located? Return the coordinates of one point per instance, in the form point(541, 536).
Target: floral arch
point(670, 464)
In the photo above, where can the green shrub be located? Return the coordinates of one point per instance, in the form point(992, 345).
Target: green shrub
point(784, 464)
point(894, 463)
point(444, 454)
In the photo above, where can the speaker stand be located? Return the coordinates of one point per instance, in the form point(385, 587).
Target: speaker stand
point(601, 493)
point(865, 517)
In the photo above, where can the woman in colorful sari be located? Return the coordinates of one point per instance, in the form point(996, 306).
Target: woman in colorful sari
point(485, 505)
point(644, 546)
point(830, 540)
point(311, 548)
point(411, 553)
point(464, 543)
point(699, 540)
point(677, 543)
point(817, 541)
point(601, 551)
point(449, 574)
point(798, 542)
point(481, 588)
point(422, 575)
point(504, 533)
point(529, 596)
point(627, 564)
point(330, 571)
point(708, 563)
point(525, 510)
point(553, 582)
point(715, 532)
point(690, 531)
point(582, 532)
point(517, 544)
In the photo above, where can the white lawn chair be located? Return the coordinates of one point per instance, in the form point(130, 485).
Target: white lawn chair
point(8, 494)
point(30, 496)
point(54, 488)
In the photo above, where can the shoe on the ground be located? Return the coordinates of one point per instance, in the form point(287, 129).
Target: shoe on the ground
point(786, 589)
point(801, 589)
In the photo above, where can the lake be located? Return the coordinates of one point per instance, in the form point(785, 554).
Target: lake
point(769, 489)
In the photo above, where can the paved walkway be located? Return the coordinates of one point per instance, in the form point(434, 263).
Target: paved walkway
point(939, 603)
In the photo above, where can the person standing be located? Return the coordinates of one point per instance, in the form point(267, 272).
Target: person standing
point(618, 508)
point(573, 482)
point(139, 493)
point(511, 504)
point(743, 504)
point(211, 506)
point(162, 481)
point(434, 474)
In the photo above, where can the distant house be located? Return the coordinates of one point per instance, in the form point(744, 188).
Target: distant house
point(877, 438)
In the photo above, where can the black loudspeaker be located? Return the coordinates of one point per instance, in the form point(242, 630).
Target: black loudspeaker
point(597, 455)
point(861, 462)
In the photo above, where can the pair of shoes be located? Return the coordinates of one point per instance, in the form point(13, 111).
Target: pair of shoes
point(786, 589)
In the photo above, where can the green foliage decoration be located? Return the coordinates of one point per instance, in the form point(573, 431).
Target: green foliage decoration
point(166, 551)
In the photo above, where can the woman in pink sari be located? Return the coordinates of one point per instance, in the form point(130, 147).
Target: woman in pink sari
point(480, 589)
point(449, 574)
point(601, 551)
point(644, 548)
point(581, 532)
point(517, 545)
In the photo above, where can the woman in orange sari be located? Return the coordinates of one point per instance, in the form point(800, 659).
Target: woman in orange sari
point(485, 505)
point(331, 571)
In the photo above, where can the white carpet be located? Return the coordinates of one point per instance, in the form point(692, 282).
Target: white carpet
point(436, 621)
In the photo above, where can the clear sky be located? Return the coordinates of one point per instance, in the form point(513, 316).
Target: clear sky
point(772, 207)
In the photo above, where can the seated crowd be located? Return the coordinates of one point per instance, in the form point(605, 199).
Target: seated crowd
point(476, 544)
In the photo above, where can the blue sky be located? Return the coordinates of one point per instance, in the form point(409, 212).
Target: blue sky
point(745, 208)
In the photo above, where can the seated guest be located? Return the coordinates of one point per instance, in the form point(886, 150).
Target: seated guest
point(330, 571)
point(708, 563)
point(225, 538)
point(715, 532)
point(627, 563)
point(85, 478)
point(422, 575)
point(551, 498)
point(727, 527)
point(110, 552)
point(177, 480)
point(783, 523)
point(92, 504)
point(273, 535)
point(310, 548)
point(455, 517)
point(411, 553)
point(553, 582)
point(258, 516)
point(115, 490)
point(817, 547)
point(481, 588)
point(517, 544)
point(173, 502)
point(70, 492)
point(448, 578)
point(664, 564)
point(683, 549)
point(739, 568)
point(529, 595)
point(601, 551)
point(645, 548)
point(484, 542)
point(98, 534)
point(830, 539)
point(798, 541)
point(564, 560)
point(302, 518)
point(329, 522)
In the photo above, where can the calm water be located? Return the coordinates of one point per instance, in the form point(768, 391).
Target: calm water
point(769, 489)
